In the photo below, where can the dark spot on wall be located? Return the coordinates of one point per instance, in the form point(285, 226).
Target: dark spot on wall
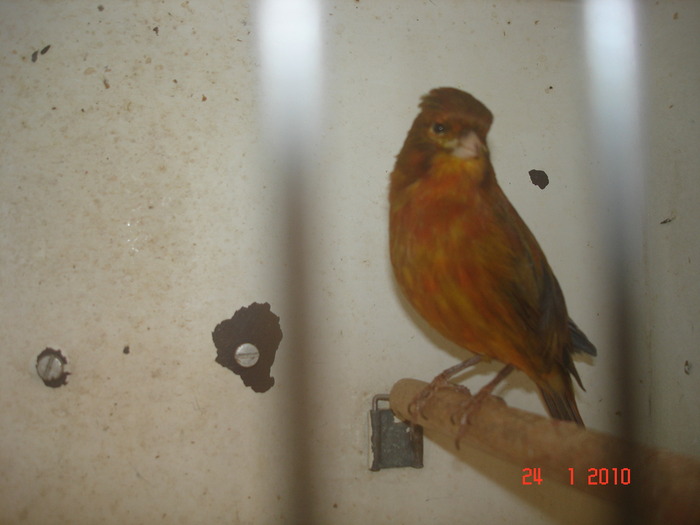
point(255, 328)
point(539, 178)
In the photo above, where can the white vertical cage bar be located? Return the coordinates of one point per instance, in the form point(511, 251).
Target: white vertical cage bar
point(616, 92)
point(289, 47)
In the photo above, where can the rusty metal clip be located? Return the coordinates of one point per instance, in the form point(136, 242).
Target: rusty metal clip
point(395, 443)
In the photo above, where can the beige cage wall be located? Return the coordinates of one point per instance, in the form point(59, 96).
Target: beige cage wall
point(141, 204)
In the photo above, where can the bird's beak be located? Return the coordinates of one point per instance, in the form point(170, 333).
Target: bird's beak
point(469, 146)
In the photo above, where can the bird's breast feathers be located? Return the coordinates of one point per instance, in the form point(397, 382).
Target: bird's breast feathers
point(448, 249)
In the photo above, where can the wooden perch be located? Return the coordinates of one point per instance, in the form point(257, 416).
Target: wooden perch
point(661, 485)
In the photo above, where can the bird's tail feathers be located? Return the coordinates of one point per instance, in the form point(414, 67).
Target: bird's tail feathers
point(561, 406)
point(580, 341)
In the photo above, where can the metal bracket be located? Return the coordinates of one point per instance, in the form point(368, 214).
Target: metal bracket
point(395, 443)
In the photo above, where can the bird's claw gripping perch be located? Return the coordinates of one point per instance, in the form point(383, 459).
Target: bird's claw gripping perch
point(441, 381)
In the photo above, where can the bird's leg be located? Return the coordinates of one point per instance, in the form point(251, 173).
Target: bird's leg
point(476, 401)
point(441, 381)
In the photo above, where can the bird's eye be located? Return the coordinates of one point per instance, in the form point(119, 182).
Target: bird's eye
point(439, 129)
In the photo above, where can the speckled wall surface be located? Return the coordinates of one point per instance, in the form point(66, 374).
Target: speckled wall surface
point(138, 209)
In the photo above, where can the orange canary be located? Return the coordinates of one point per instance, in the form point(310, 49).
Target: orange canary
point(467, 262)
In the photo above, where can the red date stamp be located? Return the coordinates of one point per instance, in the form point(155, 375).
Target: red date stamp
point(594, 476)
point(532, 476)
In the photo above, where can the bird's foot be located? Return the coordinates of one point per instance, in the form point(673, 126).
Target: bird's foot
point(417, 405)
point(466, 410)
point(474, 403)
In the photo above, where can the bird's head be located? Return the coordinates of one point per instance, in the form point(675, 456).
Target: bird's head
point(452, 125)
point(455, 122)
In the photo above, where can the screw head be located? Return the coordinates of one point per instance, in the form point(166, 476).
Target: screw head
point(247, 355)
point(50, 365)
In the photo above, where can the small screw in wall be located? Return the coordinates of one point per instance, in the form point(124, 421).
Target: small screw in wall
point(247, 355)
point(50, 365)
